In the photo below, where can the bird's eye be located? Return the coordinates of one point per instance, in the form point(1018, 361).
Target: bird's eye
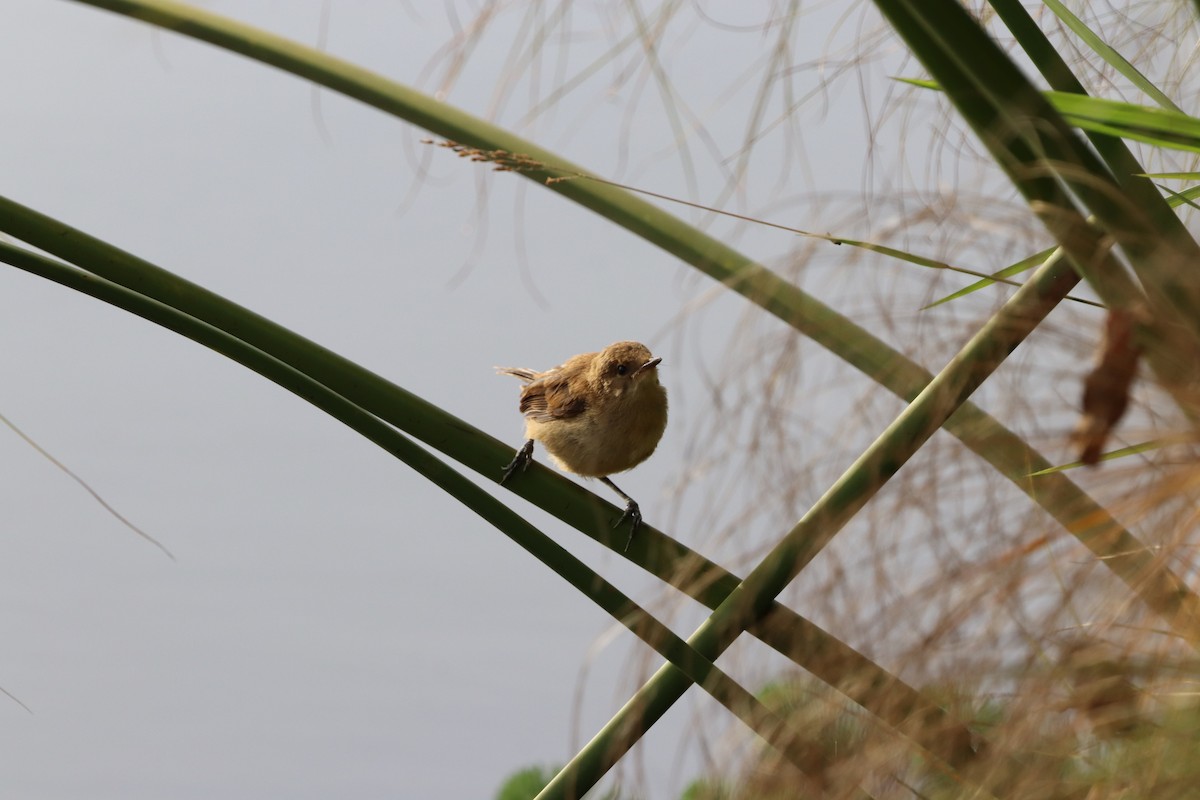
point(622, 369)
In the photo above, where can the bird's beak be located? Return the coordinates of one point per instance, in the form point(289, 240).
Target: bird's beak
point(651, 364)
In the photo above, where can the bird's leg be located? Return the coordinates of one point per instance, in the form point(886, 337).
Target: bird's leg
point(520, 461)
point(632, 512)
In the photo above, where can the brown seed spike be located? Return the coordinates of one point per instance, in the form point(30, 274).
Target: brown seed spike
point(1106, 389)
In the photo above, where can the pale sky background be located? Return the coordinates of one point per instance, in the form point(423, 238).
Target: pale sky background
point(311, 639)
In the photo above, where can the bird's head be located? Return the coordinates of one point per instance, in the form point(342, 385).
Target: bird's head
point(623, 367)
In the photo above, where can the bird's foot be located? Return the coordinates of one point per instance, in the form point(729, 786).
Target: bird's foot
point(520, 461)
point(634, 515)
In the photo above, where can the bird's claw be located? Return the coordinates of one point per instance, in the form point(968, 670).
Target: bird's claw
point(634, 515)
point(520, 461)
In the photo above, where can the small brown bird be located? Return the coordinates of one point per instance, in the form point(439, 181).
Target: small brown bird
point(597, 414)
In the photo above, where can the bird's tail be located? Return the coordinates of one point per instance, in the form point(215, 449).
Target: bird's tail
point(525, 374)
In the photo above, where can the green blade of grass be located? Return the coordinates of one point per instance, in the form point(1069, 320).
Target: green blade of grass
point(1001, 276)
point(1180, 198)
point(1110, 54)
point(872, 247)
point(929, 263)
point(1175, 200)
point(1132, 450)
point(1169, 129)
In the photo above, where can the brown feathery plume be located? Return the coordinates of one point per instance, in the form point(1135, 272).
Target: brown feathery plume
point(1106, 389)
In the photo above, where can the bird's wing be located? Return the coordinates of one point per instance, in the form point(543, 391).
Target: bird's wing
point(549, 397)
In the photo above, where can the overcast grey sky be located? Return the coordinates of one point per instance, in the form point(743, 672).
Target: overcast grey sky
point(309, 641)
